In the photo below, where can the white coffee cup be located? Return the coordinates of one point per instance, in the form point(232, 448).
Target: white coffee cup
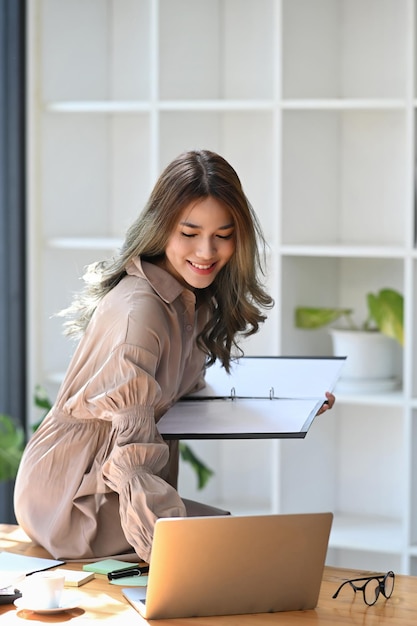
point(43, 590)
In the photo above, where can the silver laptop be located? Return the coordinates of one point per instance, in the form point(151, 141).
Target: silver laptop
point(226, 565)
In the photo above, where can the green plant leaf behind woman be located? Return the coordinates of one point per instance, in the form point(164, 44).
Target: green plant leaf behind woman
point(12, 441)
point(386, 309)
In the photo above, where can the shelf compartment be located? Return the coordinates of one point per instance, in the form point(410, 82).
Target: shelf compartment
point(356, 480)
point(216, 50)
point(370, 474)
point(234, 485)
point(367, 561)
point(343, 49)
point(367, 533)
point(93, 188)
point(339, 166)
point(237, 136)
point(110, 41)
point(331, 282)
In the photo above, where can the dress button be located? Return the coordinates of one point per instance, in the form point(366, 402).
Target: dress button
point(189, 328)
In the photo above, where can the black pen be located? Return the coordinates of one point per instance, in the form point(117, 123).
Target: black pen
point(135, 570)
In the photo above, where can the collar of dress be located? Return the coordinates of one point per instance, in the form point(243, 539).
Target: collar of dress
point(165, 285)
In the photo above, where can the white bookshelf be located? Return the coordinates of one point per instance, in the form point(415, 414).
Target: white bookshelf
point(314, 103)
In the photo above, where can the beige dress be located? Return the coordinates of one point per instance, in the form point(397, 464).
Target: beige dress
point(96, 474)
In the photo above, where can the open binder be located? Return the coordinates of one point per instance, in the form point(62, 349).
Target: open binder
point(262, 397)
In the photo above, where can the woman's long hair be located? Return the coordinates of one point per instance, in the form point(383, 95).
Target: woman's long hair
point(236, 295)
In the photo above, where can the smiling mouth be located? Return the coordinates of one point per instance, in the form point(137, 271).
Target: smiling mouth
point(201, 267)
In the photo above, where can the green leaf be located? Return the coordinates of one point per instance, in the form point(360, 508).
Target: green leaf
point(12, 439)
point(41, 399)
point(386, 309)
point(314, 317)
point(203, 472)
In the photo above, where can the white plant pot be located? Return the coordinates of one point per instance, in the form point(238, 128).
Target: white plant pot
point(370, 364)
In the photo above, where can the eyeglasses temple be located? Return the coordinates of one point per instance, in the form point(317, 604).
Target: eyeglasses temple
point(337, 591)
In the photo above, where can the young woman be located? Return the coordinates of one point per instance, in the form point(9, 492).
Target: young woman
point(96, 474)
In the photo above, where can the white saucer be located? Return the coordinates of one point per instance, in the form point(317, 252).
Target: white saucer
point(67, 605)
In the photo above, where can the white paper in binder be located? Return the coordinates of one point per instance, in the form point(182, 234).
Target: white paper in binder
point(262, 397)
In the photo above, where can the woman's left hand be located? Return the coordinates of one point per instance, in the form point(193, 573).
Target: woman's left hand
point(328, 404)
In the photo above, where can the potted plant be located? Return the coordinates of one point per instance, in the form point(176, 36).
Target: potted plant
point(370, 347)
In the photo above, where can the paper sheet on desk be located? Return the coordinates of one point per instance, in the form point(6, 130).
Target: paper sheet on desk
point(10, 580)
point(16, 566)
point(263, 397)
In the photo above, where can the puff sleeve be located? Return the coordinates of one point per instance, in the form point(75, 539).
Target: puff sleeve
point(136, 451)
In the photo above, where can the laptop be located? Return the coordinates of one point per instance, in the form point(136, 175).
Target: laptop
point(225, 565)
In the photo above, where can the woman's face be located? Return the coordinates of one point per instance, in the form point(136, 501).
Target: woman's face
point(201, 243)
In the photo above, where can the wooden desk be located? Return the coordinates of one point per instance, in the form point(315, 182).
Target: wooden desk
point(99, 600)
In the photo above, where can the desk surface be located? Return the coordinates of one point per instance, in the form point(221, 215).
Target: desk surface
point(99, 600)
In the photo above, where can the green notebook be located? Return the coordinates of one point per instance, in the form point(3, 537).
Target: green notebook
point(107, 565)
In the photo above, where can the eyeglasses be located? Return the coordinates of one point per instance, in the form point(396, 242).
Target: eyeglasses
point(372, 587)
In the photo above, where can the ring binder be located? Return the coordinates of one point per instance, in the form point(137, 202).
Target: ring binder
point(244, 410)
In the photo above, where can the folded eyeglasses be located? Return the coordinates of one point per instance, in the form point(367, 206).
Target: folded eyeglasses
point(372, 586)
